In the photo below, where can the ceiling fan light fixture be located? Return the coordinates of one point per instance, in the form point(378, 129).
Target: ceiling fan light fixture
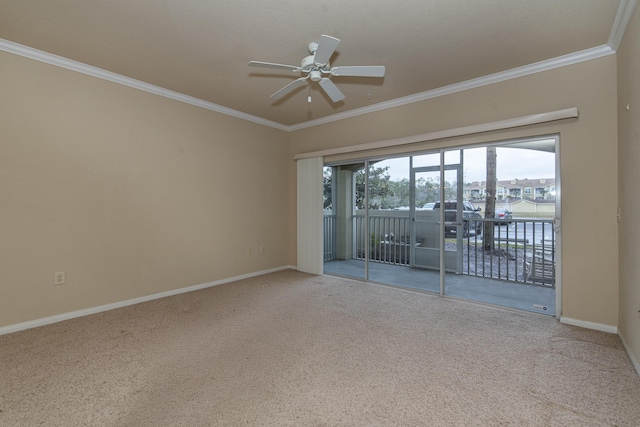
point(315, 75)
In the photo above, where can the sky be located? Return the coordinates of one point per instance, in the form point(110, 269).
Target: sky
point(512, 163)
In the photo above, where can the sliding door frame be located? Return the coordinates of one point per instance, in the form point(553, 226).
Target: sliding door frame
point(442, 150)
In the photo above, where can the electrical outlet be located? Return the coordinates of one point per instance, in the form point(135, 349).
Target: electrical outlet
point(59, 278)
point(249, 251)
point(261, 249)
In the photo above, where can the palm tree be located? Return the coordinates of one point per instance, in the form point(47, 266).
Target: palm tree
point(490, 202)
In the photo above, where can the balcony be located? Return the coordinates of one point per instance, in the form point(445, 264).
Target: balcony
point(519, 272)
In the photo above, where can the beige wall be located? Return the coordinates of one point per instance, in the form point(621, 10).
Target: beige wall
point(524, 209)
point(629, 177)
point(588, 162)
point(129, 193)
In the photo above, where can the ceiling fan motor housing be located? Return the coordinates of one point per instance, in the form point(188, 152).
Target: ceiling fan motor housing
point(308, 64)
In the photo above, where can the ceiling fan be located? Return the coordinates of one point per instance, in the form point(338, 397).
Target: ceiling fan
point(316, 66)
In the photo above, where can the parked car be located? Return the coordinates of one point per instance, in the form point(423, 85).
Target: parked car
point(503, 216)
point(471, 219)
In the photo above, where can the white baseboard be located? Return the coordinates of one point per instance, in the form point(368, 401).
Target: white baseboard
point(93, 310)
point(589, 325)
point(605, 328)
point(632, 357)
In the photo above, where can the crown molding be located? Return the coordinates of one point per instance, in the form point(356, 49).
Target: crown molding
point(561, 61)
point(625, 12)
point(550, 64)
point(59, 61)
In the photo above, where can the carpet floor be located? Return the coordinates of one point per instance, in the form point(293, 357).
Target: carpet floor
point(291, 349)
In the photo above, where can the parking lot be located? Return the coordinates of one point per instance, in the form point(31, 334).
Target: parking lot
point(532, 232)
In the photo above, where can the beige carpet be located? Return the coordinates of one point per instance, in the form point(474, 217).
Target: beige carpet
point(290, 349)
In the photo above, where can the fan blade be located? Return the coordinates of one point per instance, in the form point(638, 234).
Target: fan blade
point(331, 89)
point(326, 46)
point(359, 71)
point(272, 65)
point(289, 88)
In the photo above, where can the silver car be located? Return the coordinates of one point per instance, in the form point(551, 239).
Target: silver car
point(503, 216)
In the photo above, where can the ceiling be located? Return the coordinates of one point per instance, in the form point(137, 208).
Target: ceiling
point(201, 48)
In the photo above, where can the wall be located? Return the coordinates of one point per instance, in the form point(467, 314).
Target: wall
point(629, 176)
point(588, 157)
point(524, 209)
point(129, 193)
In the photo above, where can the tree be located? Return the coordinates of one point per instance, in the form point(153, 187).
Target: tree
point(327, 180)
point(450, 190)
point(543, 192)
point(379, 187)
point(490, 201)
point(427, 191)
point(400, 194)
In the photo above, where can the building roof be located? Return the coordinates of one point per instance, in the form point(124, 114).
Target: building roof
point(514, 183)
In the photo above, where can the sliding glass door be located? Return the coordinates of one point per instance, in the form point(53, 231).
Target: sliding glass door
point(425, 222)
point(344, 247)
point(388, 230)
point(382, 219)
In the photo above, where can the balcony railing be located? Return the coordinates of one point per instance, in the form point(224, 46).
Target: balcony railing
point(389, 239)
point(329, 230)
point(524, 250)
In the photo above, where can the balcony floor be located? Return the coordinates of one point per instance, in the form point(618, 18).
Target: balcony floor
point(491, 291)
